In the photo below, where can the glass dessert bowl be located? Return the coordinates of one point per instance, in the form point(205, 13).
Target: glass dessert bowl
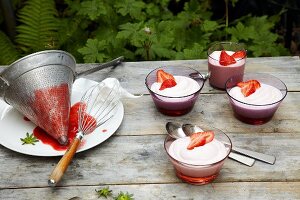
point(201, 164)
point(174, 89)
point(259, 105)
point(225, 59)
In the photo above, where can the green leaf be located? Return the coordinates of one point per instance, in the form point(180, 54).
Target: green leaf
point(29, 139)
point(104, 192)
point(241, 32)
point(93, 9)
point(124, 196)
point(134, 8)
point(93, 51)
point(8, 51)
point(196, 52)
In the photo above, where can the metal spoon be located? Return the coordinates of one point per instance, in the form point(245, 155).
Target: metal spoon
point(175, 130)
point(270, 159)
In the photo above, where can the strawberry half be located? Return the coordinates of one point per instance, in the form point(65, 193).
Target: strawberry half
point(239, 54)
point(167, 84)
point(249, 87)
point(200, 139)
point(161, 76)
point(226, 59)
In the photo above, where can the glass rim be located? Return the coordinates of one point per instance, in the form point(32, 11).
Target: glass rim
point(194, 165)
point(269, 104)
point(201, 86)
point(226, 42)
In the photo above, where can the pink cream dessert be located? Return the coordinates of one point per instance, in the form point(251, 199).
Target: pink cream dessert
point(220, 73)
point(200, 164)
point(253, 101)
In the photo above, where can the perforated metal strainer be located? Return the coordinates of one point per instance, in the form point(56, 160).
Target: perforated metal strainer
point(39, 86)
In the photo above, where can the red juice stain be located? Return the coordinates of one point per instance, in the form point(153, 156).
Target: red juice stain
point(104, 130)
point(73, 129)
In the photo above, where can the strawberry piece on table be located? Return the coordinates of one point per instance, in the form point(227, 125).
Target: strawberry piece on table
point(226, 59)
point(200, 139)
point(162, 76)
point(167, 84)
point(249, 87)
point(239, 54)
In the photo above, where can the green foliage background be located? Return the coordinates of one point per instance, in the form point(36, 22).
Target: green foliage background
point(100, 30)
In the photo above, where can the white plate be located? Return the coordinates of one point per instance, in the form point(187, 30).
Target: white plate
point(13, 127)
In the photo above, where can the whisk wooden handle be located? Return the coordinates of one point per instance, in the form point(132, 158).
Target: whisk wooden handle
point(64, 162)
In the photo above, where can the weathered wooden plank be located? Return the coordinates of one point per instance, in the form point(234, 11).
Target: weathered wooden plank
point(132, 74)
point(212, 109)
point(142, 159)
point(182, 191)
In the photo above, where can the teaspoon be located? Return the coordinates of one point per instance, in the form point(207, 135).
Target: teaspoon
point(175, 130)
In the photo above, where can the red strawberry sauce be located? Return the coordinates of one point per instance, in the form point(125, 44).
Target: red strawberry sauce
point(45, 138)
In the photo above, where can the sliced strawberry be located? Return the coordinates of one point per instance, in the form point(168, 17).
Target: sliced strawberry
point(162, 76)
point(200, 139)
point(249, 87)
point(226, 59)
point(167, 84)
point(239, 54)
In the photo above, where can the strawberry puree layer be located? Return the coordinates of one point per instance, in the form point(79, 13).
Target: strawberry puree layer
point(185, 86)
point(209, 153)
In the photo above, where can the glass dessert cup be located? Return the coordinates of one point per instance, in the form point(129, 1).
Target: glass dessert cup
point(179, 105)
point(199, 174)
point(255, 114)
point(219, 74)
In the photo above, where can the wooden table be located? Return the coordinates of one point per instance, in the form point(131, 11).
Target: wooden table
point(133, 160)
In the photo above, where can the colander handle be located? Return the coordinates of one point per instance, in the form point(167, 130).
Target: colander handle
point(114, 62)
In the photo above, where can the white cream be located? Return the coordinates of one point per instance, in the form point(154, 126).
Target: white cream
point(184, 86)
point(266, 94)
point(214, 58)
point(209, 153)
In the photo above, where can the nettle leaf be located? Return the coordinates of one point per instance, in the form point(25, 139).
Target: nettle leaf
point(241, 32)
point(162, 52)
point(133, 8)
point(93, 51)
point(128, 30)
point(260, 23)
point(8, 51)
point(93, 9)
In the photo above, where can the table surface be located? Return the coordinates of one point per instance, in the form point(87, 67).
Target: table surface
point(133, 160)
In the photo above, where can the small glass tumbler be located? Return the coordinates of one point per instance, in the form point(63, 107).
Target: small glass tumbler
point(254, 113)
point(219, 74)
point(199, 174)
point(179, 105)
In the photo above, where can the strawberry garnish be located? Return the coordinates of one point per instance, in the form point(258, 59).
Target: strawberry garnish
point(167, 84)
point(239, 54)
point(162, 76)
point(200, 139)
point(249, 87)
point(226, 59)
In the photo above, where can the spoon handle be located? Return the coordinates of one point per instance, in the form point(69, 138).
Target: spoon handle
point(242, 159)
point(259, 156)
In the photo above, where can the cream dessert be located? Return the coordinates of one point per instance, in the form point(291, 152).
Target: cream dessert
point(224, 64)
point(198, 159)
point(184, 86)
point(264, 95)
point(174, 95)
point(254, 102)
point(209, 153)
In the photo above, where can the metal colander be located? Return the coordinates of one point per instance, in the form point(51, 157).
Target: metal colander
point(39, 86)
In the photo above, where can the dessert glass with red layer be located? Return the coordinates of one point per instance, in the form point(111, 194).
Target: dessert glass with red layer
point(199, 174)
point(172, 104)
point(220, 73)
point(260, 106)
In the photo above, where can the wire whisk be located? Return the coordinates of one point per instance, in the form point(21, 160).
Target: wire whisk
point(97, 106)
